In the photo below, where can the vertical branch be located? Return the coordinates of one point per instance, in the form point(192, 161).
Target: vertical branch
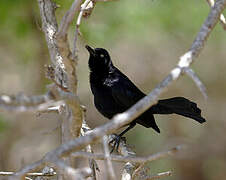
point(85, 11)
point(64, 68)
point(109, 166)
point(49, 27)
point(85, 130)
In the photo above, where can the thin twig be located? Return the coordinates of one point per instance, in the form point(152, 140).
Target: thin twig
point(197, 81)
point(68, 18)
point(136, 159)
point(110, 169)
point(8, 173)
point(77, 31)
point(159, 175)
point(55, 109)
point(25, 108)
point(48, 173)
point(27, 178)
point(22, 99)
point(84, 131)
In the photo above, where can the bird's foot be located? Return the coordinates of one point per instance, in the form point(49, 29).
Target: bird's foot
point(115, 141)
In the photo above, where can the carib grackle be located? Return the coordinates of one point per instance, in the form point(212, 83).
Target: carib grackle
point(115, 93)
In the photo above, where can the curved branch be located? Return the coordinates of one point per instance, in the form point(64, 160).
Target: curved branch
point(136, 159)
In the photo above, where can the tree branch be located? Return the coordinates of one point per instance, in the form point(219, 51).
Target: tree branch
point(159, 175)
point(87, 7)
point(84, 131)
point(68, 18)
point(7, 173)
point(23, 103)
point(109, 166)
point(135, 159)
point(64, 66)
point(222, 18)
point(197, 81)
point(22, 99)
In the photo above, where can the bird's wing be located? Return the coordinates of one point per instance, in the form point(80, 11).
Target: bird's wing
point(124, 91)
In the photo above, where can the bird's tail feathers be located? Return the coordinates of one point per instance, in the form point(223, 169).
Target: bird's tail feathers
point(178, 105)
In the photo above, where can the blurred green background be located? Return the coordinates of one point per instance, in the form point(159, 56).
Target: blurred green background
point(145, 39)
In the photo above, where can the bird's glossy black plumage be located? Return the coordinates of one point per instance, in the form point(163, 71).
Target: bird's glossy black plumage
point(114, 93)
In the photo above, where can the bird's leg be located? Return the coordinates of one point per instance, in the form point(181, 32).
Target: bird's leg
point(117, 138)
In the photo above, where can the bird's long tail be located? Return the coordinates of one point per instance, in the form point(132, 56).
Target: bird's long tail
point(178, 105)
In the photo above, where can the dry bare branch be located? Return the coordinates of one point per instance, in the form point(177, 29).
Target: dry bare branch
point(135, 159)
point(7, 173)
point(197, 81)
point(109, 166)
point(84, 131)
point(64, 66)
point(64, 69)
point(49, 27)
point(22, 99)
point(68, 18)
point(222, 18)
point(53, 109)
point(79, 19)
point(136, 165)
point(22, 103)
point(27, 178)
point(47, 172)
point(159, 175)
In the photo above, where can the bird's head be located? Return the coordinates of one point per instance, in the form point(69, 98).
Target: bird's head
point(99, 59)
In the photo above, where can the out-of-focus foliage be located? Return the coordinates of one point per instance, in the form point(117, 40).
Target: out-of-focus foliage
point(17, 26)
point(135, 19)
point(112, 20)
point(3, 124)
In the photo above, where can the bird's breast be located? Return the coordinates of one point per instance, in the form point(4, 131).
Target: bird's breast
point(103, 101)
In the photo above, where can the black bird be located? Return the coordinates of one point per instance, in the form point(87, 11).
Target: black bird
point(115, 93)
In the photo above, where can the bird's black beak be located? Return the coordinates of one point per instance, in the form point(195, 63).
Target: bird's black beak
point(91, 50)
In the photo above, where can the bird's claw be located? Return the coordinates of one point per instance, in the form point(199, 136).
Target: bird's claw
point(116, 141)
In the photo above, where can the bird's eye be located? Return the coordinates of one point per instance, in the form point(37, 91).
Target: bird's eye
point(101, 55)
